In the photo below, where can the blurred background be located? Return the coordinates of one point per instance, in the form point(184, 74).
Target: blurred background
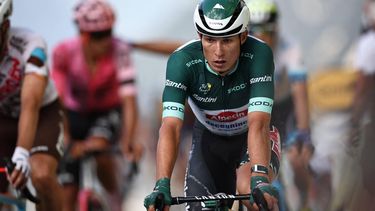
point(327, 32)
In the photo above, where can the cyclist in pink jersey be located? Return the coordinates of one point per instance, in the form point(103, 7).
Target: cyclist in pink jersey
point(95, 79)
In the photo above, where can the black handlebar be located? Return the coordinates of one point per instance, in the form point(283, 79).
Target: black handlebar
point(25, 191)
point(256, 193)
point(220, 197)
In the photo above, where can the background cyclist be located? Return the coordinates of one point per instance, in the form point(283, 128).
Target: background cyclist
point(290, 110)
point(96, 82)
point(30, 117)
point(228, 80)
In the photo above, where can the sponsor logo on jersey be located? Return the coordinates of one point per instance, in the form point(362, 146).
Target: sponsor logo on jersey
point(173, 108)
point(227, 127)
point(205, 88)
point(266, 78)
point(175, 85)
point(227, 116)
point(237, 88)
point(247, 55)
point(13, 82)
point(205, 99)
point(18, 43)
point(192, 62)
point(261, 103)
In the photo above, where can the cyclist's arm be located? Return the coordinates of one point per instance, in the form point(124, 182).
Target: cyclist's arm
point(167, 150)
point(297, 75)
point(299, 91)
point(32, 92)
point(259, 115)
point(129, 120)
point(31, 98)
point(260, 107)
point(127, 91)
point(164, 47)
point(258, 139)
point(174, 98)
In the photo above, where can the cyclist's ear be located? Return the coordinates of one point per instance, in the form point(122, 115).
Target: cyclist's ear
point(243, 36)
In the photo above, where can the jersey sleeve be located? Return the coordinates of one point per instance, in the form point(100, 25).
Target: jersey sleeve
point(35, 55)
point(176, 86)
point(297, 71)
point(126, 73)
point(262, 81)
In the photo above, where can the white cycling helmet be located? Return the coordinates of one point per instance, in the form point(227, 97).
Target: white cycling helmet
point(5, 9)
point(221, 18)
point(94, 15)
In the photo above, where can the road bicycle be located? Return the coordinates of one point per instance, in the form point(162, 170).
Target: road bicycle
point(92, 196)
point(217, 202)
point(20, 199)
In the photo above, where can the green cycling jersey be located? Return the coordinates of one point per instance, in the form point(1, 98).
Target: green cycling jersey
point(220, 103)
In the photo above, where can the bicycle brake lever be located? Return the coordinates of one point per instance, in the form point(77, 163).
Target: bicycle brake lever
point(159, 203)
point(260, 200)
point(25, 191)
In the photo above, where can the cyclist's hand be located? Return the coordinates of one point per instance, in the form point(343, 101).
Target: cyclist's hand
point(300, 146)
point(21, 170)
point(162, 186)
point(136, 152)
point(126, 147)
point(78, 149)
point(270, 193)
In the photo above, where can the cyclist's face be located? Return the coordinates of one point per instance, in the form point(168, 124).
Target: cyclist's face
point(222, 53)
point(100, 47)
point(97, 44)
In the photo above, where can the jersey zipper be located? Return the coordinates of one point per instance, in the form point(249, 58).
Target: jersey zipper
point(223, 90)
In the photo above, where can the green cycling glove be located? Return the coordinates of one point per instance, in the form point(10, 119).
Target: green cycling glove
point(162, 186)
point(263, 184)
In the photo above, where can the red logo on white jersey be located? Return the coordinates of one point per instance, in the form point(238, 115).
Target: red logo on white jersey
point(13, 81)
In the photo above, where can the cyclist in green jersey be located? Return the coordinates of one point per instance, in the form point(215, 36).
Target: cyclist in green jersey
point(227, 78)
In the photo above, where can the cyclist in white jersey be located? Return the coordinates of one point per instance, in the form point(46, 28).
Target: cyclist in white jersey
point(30, 122)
